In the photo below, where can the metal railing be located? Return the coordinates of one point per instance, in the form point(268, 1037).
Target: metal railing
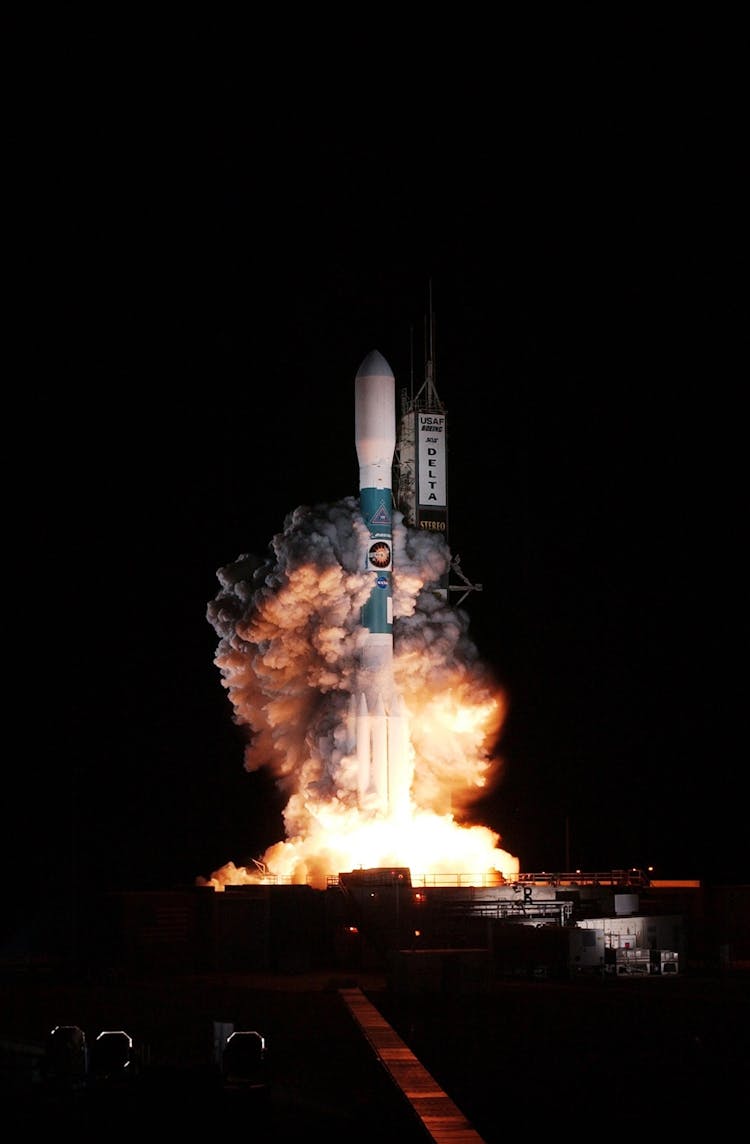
point(492, 878)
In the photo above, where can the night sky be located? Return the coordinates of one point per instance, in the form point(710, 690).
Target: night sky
point(200, 266)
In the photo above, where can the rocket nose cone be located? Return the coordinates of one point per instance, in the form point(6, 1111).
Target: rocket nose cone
point(374, 365)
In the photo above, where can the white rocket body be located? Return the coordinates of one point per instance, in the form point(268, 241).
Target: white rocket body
point(378, 713)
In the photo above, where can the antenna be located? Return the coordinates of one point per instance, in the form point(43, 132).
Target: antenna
point(411, 363)
point(431, 354)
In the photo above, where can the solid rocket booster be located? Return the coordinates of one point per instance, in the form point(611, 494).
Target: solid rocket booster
point(375, 439)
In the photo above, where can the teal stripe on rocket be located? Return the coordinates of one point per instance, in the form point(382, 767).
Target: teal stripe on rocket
point(376, 508)
point(375, 611)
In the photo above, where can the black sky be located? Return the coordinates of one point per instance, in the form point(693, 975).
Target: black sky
point(204, 252)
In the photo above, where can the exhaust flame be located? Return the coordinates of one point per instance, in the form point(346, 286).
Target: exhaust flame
point(289, 648)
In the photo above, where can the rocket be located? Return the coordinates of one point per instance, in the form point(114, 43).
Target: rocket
point(377, 717)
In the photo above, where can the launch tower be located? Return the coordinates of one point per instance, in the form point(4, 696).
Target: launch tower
point(420, 464)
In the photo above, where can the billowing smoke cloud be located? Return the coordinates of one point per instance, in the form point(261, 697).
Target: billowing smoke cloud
point(290, 637)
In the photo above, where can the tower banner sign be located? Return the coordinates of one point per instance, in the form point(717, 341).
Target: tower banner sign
point(432, 459)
